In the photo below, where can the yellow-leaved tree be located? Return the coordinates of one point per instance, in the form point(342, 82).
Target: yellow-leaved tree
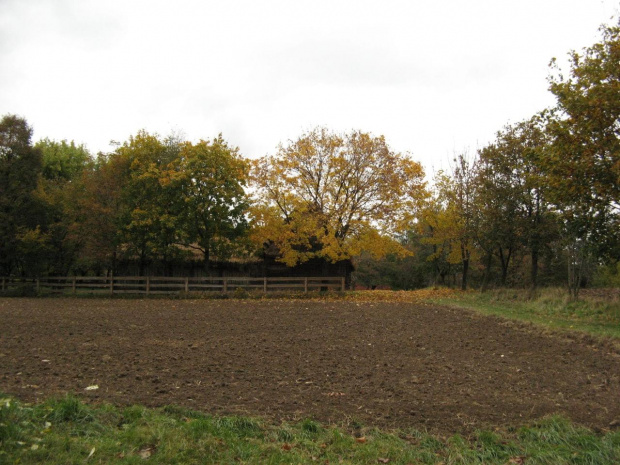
point(448, 219)
point(332, 196)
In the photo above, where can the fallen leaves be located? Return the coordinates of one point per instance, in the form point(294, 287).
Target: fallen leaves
point(417, 296)
point(146, 452)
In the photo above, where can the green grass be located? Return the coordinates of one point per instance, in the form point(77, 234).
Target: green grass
point(598, 316)
point(65, 430)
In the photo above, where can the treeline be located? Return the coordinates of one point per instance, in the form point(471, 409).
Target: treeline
point(152, 199)
point(538, 205)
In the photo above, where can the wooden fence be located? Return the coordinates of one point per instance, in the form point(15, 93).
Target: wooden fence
point(163, 285)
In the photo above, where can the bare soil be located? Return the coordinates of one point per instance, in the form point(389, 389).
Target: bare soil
point(384, 364)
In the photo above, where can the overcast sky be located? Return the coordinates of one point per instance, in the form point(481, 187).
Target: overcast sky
point(435, 77)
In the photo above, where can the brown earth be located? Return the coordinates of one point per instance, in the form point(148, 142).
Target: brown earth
point(384, 364)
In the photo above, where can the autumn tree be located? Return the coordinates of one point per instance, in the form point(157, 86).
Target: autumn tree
point(332, 196)
point(450, 216)
point(99, 213)
point(436, 231)
point(583, 166)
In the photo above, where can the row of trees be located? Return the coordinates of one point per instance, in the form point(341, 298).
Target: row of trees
point(151, 199)
point(546, 191)
point(324, 197)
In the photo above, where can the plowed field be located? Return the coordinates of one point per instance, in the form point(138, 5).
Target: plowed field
point(384, 364)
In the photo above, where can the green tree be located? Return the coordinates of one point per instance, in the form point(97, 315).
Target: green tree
point(20, 210)
point(63, 166)
point(62, 161)
point(583, 166)
point(514, 212)
point(149, 220)
point(208, 179)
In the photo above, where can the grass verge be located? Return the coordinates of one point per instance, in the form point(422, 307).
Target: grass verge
point(597, 313)
point(66, 430)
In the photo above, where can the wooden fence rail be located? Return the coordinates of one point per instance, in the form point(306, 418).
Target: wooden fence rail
point(164, 285)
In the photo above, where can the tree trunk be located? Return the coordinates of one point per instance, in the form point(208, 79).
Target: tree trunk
point(142, 263)
point(206, 260)
point(487, 272)
point(534, 271)
point(465, 270)
point(505, 261)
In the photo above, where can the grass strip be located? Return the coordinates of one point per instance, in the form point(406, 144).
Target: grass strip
point(598, 316)
point(66, 430)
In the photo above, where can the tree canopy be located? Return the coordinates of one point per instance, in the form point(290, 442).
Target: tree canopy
point(332, 196)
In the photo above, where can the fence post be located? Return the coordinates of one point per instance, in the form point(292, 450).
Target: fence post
point(225, 288)
point(73, 285)
point(342, 284)
point(38, 285)
point(186, 285)
point(111, 283)
point(148, 285)
point(306, 285)
point(265, 285)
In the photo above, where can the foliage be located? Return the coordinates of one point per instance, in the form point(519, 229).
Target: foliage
point(608, 276)
point(512, 196)
point(150, 206)
point(154, 199)
point(208, 180)
point(66, 430)
point(98, 213)
point(583, 167)
point(333, 196)
point(20, 211)
point(62, 161)
point(448, 219)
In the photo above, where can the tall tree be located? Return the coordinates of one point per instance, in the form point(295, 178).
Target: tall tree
point(20, 211)
point(452, 218)
point(149, 218)
point(63, 166)
point(209, 179)
point(99, 213)
point(332, 196)
point(439, 229)
point(583, 167)
point(514, 210)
